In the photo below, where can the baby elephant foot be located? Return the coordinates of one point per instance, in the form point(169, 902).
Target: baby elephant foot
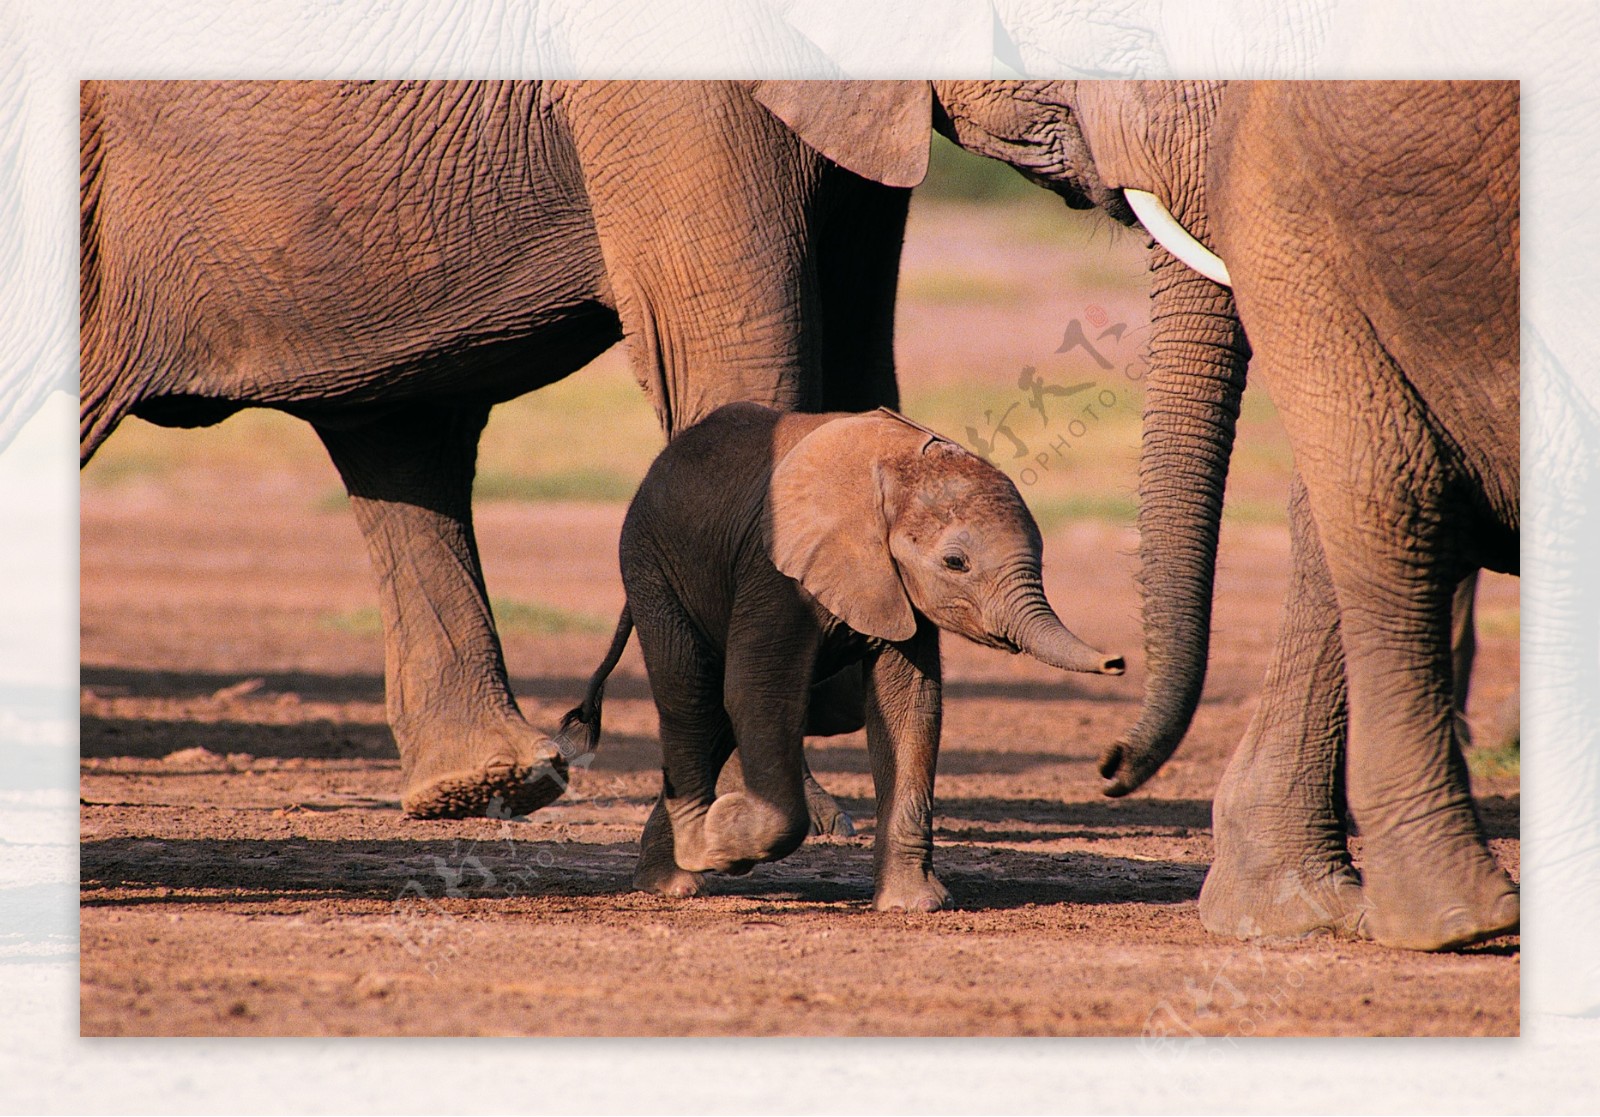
point(657, 871)
point(739, 830)
point(667, 880)
point(827, 816)
point(912, 890)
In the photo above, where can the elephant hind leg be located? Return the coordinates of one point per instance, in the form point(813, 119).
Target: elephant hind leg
point(657, 870)
point(837, 706)
point(465, 749)
point(707, 729)
point(1282, 867)
point(1393, 542)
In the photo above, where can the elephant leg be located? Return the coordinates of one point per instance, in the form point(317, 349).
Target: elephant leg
point(696, 736)
point(657, 870)
point(824, 811)
point(1396, 537)
point(770, 643)
point(903, 720)
point(1464, 649)
point(837, 707)
point(700, 724)
point(858, 265)
point(464, 746)
point(1282, 866)
point(1429, 879)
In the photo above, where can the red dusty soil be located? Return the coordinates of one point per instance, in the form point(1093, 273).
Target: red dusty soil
point(246, 870)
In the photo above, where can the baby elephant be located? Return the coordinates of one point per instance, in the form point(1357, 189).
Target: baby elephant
point(767, 550)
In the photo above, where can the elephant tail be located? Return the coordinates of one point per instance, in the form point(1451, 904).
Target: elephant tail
point(588, 714)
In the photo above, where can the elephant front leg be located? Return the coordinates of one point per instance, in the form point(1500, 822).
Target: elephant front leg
point(903, 720)
point(827, 816)
point(1282, 867)
point(464, 747)
point(1394, 536)
point(772, 642)
point(1429, 879)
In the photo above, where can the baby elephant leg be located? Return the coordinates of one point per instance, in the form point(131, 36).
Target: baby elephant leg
point(903, 716)
point(837, 706)
point(767, 711)
point(827, 816)
point(658, 870)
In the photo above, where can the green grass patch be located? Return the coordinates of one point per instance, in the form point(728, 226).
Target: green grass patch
point(578, 484)
point(112, 470)
point(1499, 622)
point(953, 288)
point(1497, 762)
point(510, 616)
point(1238, 510)
point(956, 175)
point(1052, 512)
point(1055, 511)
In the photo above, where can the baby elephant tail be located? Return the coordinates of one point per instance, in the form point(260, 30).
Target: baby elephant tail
point(588, 714)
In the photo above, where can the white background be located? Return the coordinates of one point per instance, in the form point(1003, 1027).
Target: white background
point(46, 46)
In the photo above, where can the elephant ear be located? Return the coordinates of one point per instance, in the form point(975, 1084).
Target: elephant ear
point(878, 129)
point(830, 528)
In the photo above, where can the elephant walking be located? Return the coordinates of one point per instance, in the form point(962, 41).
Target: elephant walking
point(765, 553)
point(388, 260)
point(1357, 244)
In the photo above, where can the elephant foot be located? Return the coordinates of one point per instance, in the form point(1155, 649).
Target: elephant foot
point(514, 776)
point(736, 832)
point(917, 890)
point(667, 880)
point(827, 817)
point(1284, 899)
point(1447, 895)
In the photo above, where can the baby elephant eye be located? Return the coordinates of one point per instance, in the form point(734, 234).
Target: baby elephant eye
point(956, 562)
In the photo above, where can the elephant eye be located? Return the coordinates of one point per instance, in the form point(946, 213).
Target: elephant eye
point(956, 561)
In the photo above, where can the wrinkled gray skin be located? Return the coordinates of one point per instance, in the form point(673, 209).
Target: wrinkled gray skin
point(389, 260)
point(765, 551)
point(1371, 233)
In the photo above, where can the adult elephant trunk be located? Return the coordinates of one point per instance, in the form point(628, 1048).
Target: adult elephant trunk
point(1038, 632)
point(1198, 355)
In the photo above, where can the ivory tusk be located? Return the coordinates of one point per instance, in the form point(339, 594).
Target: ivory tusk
point(1159, 223)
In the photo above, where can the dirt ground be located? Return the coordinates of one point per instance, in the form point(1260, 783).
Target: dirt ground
point(246, 870)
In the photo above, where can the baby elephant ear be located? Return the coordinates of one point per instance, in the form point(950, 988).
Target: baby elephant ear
point(830, 532)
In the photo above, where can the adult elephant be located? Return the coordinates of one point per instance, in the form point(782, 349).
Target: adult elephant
point(389, 260)
point(1370, 233)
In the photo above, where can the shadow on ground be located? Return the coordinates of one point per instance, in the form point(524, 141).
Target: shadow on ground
point(121, 872)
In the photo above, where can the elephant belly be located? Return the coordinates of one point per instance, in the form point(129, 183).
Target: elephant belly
point(288, 246)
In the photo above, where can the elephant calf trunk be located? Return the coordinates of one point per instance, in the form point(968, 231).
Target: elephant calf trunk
point(1046, 639)
point(588, 713)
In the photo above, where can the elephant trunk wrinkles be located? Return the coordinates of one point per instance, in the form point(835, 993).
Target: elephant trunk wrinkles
point(1198, 355)
point(1039, 633)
